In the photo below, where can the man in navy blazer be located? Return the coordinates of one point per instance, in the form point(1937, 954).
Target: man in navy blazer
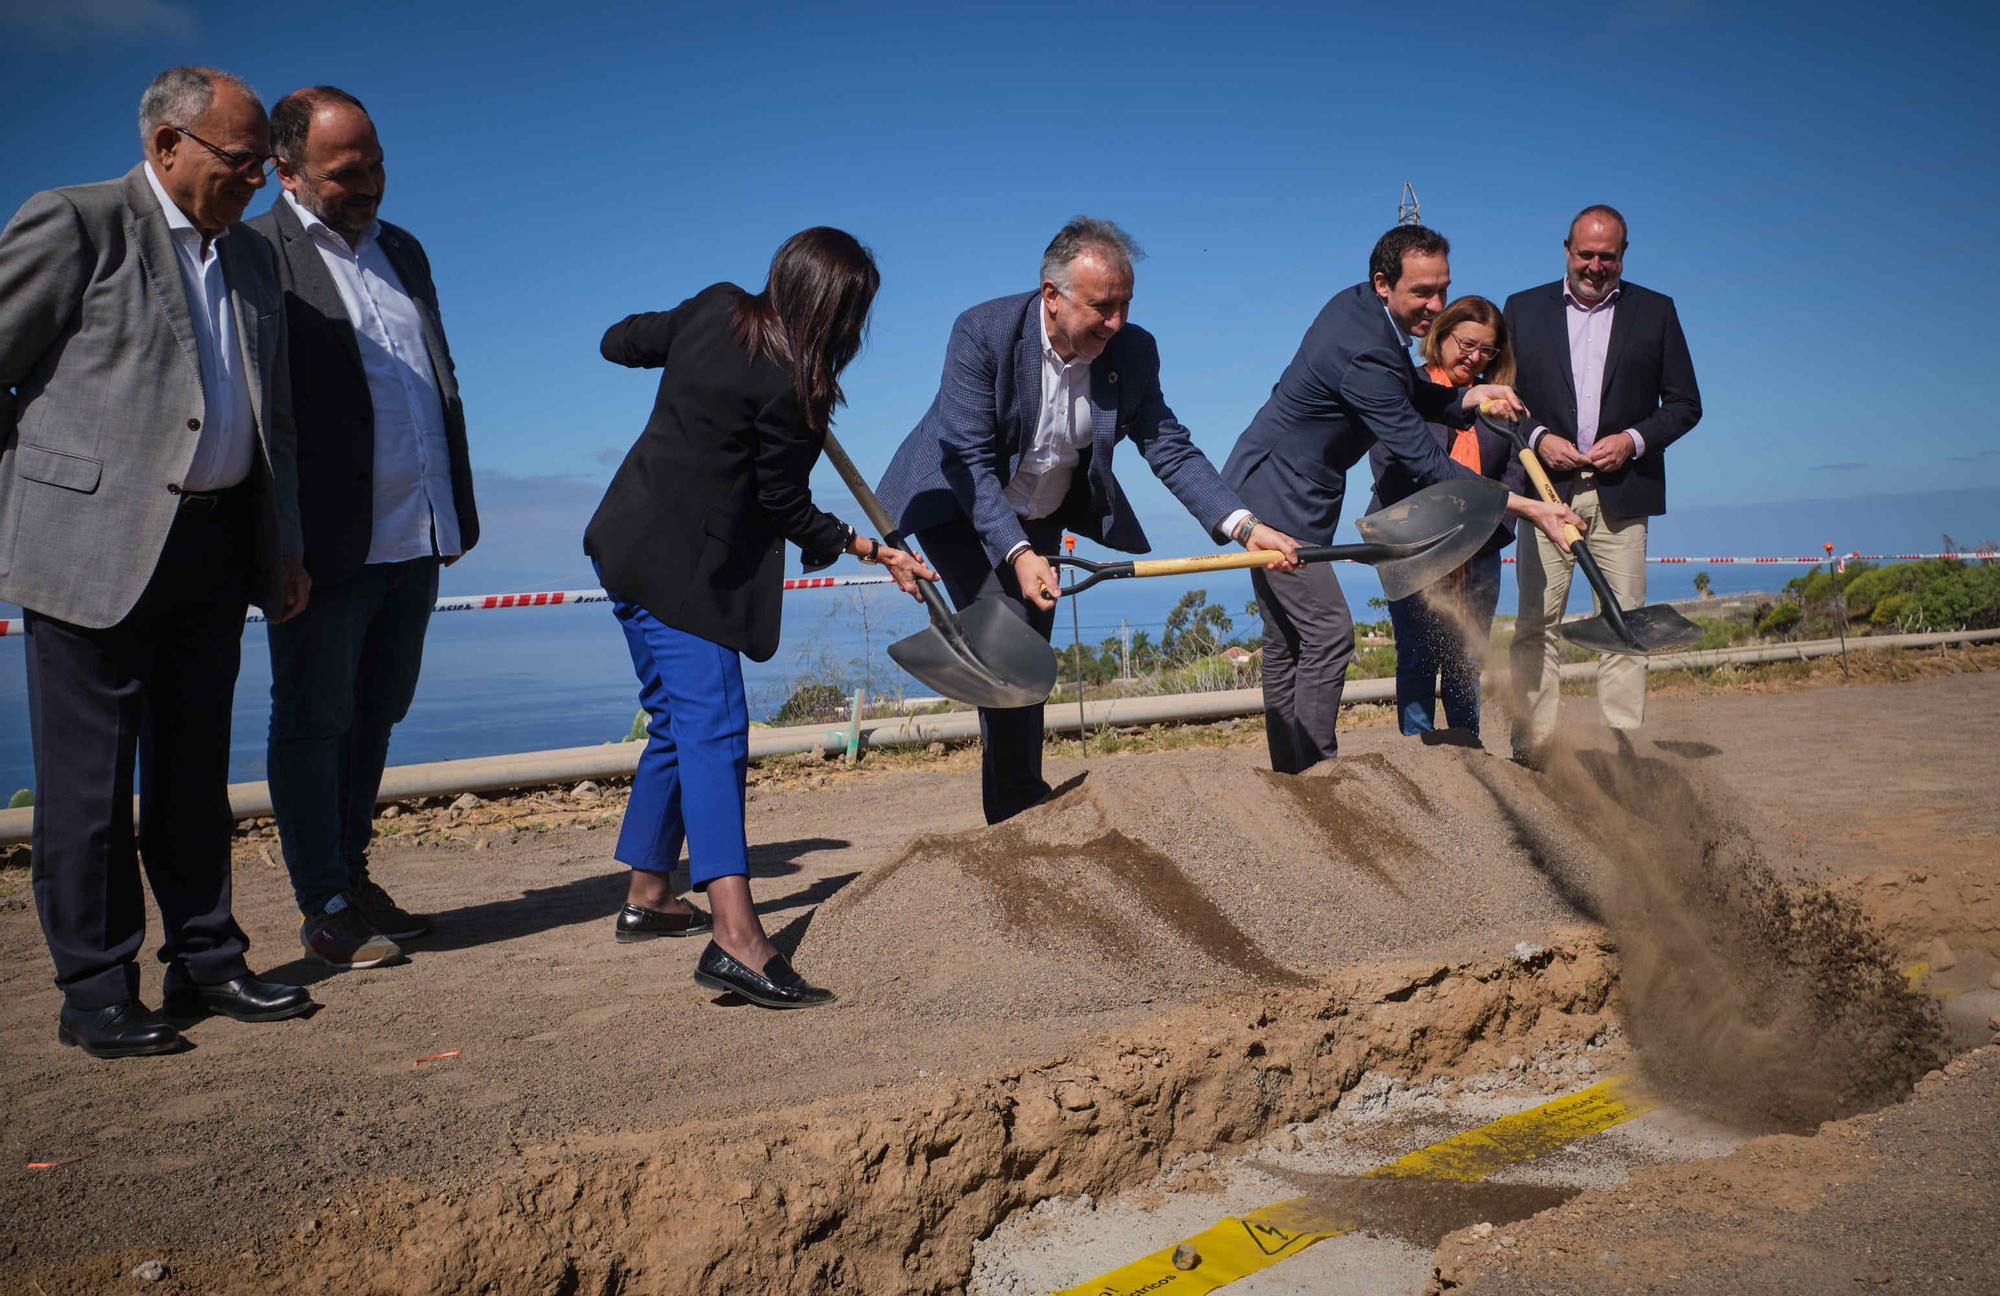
point(1038, 390)
point(1350, 387)
point(1605, 368)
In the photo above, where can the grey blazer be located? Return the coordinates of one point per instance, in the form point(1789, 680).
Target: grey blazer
point(101, 401)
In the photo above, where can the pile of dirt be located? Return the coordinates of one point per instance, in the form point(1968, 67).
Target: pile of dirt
point(1146, 881)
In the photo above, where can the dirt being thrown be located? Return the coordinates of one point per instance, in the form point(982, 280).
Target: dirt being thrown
point(1751, 995)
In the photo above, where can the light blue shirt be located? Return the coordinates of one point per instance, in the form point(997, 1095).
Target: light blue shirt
point(228, 440)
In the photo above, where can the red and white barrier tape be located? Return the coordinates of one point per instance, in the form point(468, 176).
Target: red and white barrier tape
point(565, 598)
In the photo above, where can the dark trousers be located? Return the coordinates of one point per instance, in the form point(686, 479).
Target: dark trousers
point(154, 690)
point(1010, 769)
point(342, 676)
point(1441, 638)
point(1308, 642)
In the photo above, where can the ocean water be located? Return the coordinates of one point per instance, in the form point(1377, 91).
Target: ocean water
point(526, 679)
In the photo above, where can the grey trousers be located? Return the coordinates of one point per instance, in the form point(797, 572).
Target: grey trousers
point(1308, 641)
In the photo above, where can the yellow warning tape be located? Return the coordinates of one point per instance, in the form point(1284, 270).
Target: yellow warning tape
point(1237, 1246)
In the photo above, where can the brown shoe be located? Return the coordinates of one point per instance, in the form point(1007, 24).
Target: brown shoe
point(346, 940)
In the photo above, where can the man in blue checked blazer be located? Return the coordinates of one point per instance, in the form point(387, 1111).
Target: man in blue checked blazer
point(1038, 390)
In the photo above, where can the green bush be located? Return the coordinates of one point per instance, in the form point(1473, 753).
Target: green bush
point(21, 800)
point(810, 702)
point(1780, 619)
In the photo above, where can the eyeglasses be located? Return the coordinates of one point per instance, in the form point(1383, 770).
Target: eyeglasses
point(244, 163)
point(1474, 350)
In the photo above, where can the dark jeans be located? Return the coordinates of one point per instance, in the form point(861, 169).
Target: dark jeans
point(1442, 633)
point(342, 676)
point(155, 691)
point(1010, 738)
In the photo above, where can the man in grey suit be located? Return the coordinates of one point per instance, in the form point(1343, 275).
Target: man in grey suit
point(147, 496)
point(1350, 386)
point(1038, 390)
point(385, 498)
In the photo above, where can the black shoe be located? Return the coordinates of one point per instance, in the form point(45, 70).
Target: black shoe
point(244, 998)
point(637, 923)
point(776, 987)
point(385, 915)
point(128, 1029)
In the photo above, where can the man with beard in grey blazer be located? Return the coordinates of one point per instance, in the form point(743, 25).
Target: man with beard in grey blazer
point(147, 496)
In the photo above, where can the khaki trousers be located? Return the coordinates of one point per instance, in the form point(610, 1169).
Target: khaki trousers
point(1619, 545)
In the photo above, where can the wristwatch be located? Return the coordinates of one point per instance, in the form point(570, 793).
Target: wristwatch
point(1244, 528)
point(874, 551)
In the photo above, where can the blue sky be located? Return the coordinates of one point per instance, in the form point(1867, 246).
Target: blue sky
point(1814, 184)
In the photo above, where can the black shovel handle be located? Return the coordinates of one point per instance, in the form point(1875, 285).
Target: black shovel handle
point(1607, 602)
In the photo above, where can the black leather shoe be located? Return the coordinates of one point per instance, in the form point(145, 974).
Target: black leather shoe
point(129, 1029)
point(246, 998)
point(637, 923)
point(776, 987)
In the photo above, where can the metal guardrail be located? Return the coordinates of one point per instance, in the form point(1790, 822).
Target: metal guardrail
point(617, 760)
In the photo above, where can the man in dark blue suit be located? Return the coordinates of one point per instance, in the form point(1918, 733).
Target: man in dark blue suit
point(1038, 390)
point(1350, 386)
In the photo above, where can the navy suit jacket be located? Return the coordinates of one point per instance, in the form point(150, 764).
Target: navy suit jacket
point(1350, 387)
point(968, 445)
point(1648, 386)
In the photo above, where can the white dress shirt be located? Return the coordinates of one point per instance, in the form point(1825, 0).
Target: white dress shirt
point(415, 516)
point(1061, 433)
point(228, 440)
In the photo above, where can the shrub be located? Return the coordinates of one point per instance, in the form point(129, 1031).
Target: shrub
point(21, 800)
point(1780, 619)
point(810, 702)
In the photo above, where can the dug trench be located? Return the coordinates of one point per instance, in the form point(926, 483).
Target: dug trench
point(1178, 954)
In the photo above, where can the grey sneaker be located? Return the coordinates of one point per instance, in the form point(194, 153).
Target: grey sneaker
point(384, 914)
point(345, 939)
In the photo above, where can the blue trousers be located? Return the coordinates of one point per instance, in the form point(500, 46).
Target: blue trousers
point(1434, 646)
point(343, 673)
point(689, 784)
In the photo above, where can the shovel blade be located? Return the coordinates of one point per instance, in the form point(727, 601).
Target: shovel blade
point(988, 658)
point(1435, 531)
point(1655, 628)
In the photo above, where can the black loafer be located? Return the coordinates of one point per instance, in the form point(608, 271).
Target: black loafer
point(638, 923)
point(245, 998)
point(777, 986)
point(128, 1029)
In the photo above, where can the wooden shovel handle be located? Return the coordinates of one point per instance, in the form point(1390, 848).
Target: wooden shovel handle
point(1206, 563)
point(1546, 489)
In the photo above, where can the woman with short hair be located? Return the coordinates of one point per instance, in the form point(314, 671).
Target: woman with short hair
point(1442, 631)
point(689, 541)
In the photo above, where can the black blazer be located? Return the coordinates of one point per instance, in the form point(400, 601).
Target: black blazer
point(693, 527)
point(330, 403)
point(1648, 386)
point(1394, 480)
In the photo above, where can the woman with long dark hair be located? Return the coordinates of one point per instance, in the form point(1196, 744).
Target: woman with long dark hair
point(690, 544)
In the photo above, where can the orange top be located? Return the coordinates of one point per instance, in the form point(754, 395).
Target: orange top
point(1464, 446)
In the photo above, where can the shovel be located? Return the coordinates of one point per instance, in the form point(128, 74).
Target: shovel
point(1411, 544)
point(988, 657)
point(1632, 632)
